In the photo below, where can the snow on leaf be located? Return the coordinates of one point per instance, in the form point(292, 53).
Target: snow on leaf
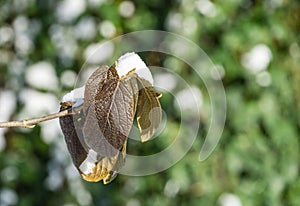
point(96, 136)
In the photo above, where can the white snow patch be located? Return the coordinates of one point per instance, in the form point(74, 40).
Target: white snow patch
point(99, 52)
point(76, 95)
point(37, 103)
point(6, 34)
point(174, 21)
point(78, 103)
point(166, 81)
point(130, 61)
point(68, 78)
point(218, 72)
point(257, 59)
point(59, 152)
point(69, 10)
point(263, 79)
point(55, 178)
point(9, 173)
point(88, 164)
point(85, 74)
point(85, 28)
point(179, 48)
point(95, 3)
point(7, 104)
point(190, 24)
point(8, 196)
point(63, 39)
point(126, 9)
point(171, 188)
point(20, 24)
point(294, 50)
point(42, 75)
point(50, 131)
point(107, 29)
point(272, 4)
point(23, 44)
point(22, 39)
point(206, 7)
point(71, 172)
point(7, 107)
point(228, 199)
point(189, 99)
point(133, 202)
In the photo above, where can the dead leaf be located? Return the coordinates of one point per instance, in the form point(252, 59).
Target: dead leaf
point(109, 108)
point(96, 137)
point(148, 110)
point(72, 128)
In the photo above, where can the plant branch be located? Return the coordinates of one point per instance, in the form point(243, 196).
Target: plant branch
point(31, 123)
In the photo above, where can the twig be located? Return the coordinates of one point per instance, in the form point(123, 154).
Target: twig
point(31, 123)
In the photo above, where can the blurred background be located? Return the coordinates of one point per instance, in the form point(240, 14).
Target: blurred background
point(255, 47)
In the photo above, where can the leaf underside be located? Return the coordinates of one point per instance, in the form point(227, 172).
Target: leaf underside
point(71, 134)
point(148, 110)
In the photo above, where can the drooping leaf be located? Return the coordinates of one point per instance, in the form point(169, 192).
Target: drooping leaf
point(114, 109)
point(72, 129)
point(99, 75)
point(97, 135)
point(148, 109)
point(109, 110)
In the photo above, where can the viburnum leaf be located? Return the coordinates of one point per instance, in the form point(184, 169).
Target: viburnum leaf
point(72, 133)
point(148, 110)
point(110, 111)
point(96, 135)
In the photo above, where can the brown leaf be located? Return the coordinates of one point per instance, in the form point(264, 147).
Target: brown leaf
point(99, 75)
point(109, 108)
point(96, 136)
point(72, 128)
point(113, 108)
point(148, 110)
point(106, 169)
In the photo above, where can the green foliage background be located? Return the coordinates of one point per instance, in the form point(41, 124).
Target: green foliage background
point(257, 158)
